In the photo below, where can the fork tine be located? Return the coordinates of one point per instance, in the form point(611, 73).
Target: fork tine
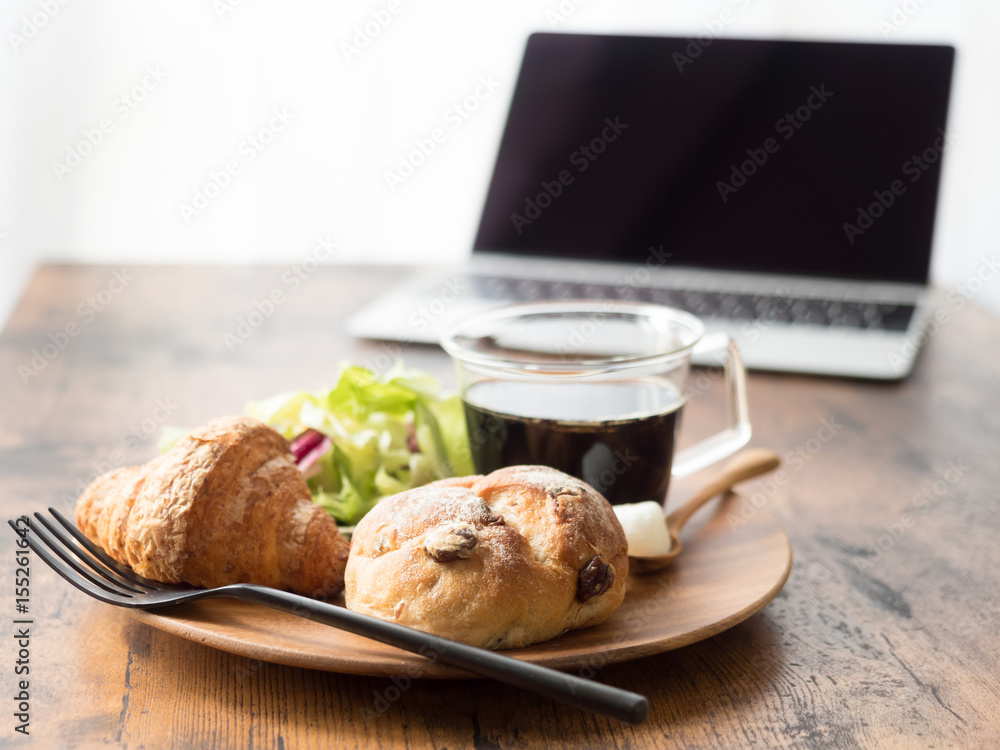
point(122, 570)
point(56, 547)
point(64, 545)
point(104, 593)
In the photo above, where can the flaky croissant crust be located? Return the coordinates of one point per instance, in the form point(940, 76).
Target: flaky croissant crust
point(226, 504)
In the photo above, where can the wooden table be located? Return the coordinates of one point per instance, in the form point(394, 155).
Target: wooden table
point(886, 634)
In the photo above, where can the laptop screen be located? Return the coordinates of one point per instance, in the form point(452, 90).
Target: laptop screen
point(787, 157)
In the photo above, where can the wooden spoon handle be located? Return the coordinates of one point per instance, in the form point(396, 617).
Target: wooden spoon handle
point(746, 465)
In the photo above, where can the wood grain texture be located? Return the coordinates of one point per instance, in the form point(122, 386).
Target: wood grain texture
point(884, 636)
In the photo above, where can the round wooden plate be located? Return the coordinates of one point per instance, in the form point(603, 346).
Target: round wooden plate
point(724, 575)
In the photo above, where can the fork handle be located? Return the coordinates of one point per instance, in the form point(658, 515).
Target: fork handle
point(565, 688)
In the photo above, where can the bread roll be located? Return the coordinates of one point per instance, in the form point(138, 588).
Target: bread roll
point(501, 561)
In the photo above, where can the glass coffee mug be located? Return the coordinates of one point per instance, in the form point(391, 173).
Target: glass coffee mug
point(592, 388)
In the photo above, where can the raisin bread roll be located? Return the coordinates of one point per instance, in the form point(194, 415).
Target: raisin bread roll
point(501, 561)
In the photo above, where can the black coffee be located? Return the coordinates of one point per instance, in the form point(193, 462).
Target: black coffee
point(617, 436)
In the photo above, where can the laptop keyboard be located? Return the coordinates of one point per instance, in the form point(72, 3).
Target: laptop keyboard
point(708, 305)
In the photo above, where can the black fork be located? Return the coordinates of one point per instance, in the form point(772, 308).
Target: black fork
point(88, 567)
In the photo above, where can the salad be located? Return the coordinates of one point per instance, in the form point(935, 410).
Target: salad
point(369, 436)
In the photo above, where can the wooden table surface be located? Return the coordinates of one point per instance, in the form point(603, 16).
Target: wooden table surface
point(886, 634)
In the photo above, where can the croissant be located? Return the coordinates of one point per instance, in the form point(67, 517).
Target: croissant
point(226, 504)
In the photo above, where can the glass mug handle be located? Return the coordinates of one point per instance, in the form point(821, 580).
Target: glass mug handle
point(734, 437)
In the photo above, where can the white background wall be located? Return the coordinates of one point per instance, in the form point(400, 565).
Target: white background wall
point(226, 65)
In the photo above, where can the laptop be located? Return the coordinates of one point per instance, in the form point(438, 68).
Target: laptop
point(784, 192)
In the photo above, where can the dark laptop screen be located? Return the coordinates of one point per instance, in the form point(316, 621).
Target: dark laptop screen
point(812, 158)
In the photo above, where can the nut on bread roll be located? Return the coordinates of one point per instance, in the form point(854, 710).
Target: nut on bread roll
point(226, 504)
point(499, 561)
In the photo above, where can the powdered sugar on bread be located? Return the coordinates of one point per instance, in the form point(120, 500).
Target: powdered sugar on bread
point(497, 561)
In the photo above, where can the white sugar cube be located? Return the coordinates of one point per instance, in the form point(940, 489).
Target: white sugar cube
point(645, 528)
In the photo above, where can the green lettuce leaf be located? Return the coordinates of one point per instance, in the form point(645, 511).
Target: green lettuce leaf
point(374, 421)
